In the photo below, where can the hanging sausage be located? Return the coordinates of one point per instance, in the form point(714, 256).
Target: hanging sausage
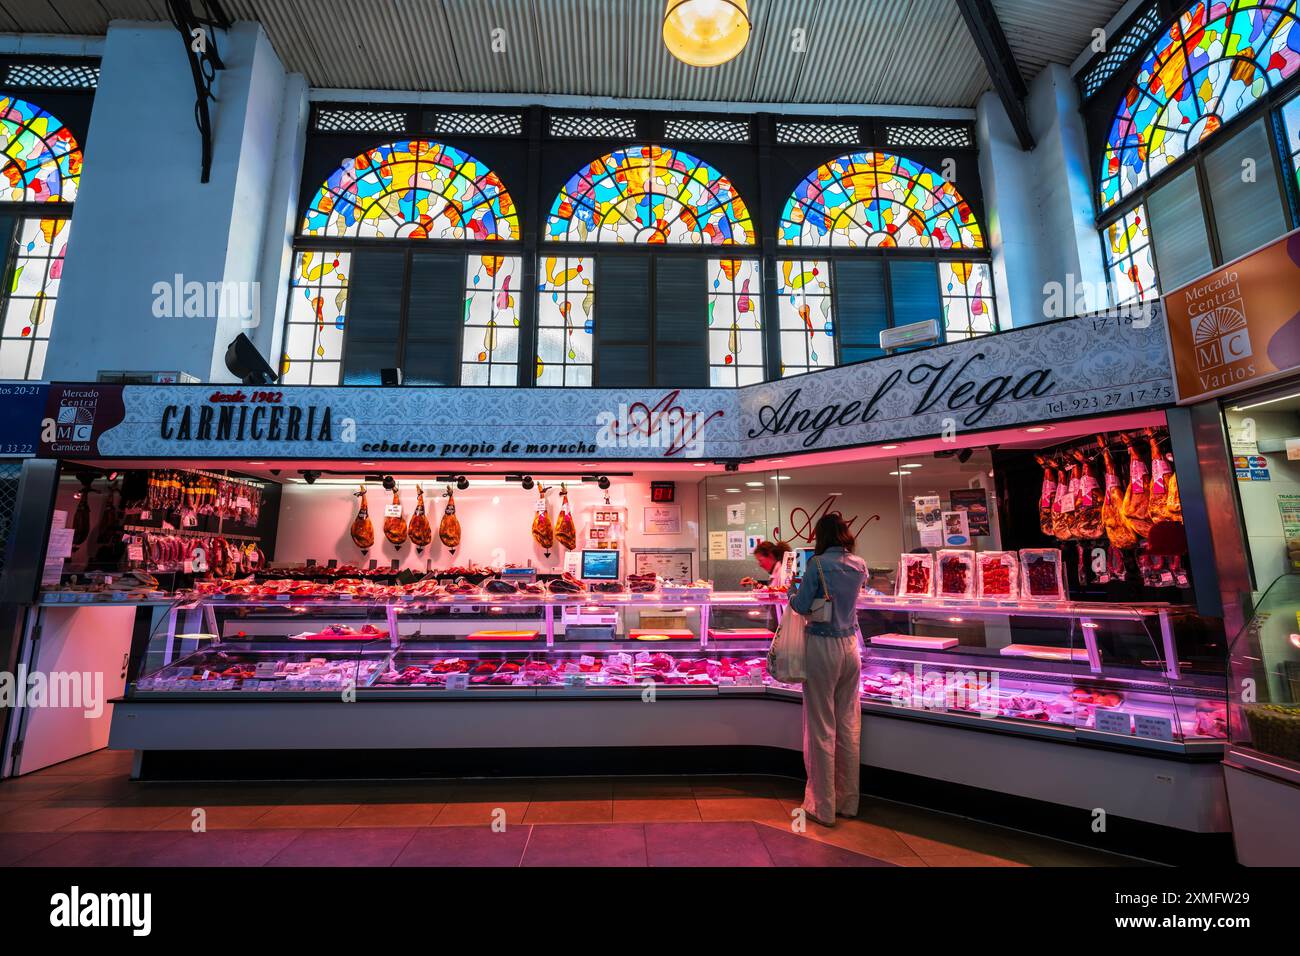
point(565, 532)
point(543, 533)
point(363, 532)
point(395, 525)
point(449, 526)
point(418, 528)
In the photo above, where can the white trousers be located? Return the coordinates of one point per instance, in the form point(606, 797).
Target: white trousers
point(832, 726)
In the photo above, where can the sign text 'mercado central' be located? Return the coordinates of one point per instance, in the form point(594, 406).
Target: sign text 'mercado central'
point(944, 388)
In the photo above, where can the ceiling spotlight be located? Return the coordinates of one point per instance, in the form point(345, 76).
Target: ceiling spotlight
point(963, 456)
point(527, 483)
point(706, 32)
point(310, 476)
point(462, 482)
point(602, 483)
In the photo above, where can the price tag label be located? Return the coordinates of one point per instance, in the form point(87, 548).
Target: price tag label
point(457, 681)
point(586, 660)
point(1157, 728)
point(135, 552)
point(392, 511)
point(1113, 721)
point(146, 515)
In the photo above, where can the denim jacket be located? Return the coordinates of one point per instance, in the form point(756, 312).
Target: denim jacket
point(844, 574)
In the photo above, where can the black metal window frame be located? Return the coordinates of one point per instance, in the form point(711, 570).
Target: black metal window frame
point(533, 202)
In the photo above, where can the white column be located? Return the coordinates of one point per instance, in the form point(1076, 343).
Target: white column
point(149, 237)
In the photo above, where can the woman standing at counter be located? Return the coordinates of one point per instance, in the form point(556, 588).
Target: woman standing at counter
point(832, 714)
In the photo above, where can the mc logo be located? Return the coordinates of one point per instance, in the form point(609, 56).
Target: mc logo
point(1221, 337)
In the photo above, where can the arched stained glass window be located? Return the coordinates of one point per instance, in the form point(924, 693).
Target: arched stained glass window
point(41, 164)
point(413, 189)
point(878, 199)
point(1214, 62)
point(649, 194)
point(42, 160)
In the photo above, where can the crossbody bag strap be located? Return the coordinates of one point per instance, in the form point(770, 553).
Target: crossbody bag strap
point(826, 592)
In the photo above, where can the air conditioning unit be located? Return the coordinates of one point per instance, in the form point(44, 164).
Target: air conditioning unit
point(147, 378)
point(910, 336)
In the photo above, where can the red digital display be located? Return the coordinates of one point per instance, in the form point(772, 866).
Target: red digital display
point(663, 492)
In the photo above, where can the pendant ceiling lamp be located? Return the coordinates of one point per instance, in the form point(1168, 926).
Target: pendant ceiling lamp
point(706, 32)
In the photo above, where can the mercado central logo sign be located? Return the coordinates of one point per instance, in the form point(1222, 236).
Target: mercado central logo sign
point(1074, 368)
point(1239, 326)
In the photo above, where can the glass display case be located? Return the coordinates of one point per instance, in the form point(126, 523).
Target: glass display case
point(1105, 673)
point(1265, 666)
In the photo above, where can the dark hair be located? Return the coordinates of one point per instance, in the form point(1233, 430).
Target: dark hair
point(831, 531)
point(771, 549)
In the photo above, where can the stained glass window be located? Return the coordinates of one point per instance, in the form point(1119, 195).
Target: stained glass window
point(413, 189)
point(804, 315)
point(878, 199)
point(318, 305)
point(967, 292)
point(1291, 117)
point(565, 320)
point(490, 345)
point(650, 194)
point(42, 161)
point(33, 288)
point(1215, 61)
point(1128, 258)
point(735, 323)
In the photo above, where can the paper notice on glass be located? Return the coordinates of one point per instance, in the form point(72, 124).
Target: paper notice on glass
point(60, 520)
point(1157, 728)
point(735, 546)
point(717, 545)
point(929, 520)
point(1113, 721)
point(1293, 449)
point(1289, 505)
point(736, 513)
point(956, 530)
point(60, 545)
point(52, 572)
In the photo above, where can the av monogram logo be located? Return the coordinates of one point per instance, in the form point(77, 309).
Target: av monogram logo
point(1221, 336)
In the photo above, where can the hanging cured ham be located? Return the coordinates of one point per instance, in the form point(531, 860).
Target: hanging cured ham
point(418, 528)
point(363, 532)
point(1047, 497)
point(1161, 471)
point(449, 526)
point(1063, 504)
point(1137, 496)
point(395, 525)
point(1173, 503)
point(1117, 528)
point(565, 532)
point(543, 533)
point(1088, 524)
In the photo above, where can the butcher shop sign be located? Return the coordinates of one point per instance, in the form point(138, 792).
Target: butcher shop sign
point(1067, 369)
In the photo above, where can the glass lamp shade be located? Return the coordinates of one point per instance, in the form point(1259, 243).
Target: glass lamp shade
point(706, 32)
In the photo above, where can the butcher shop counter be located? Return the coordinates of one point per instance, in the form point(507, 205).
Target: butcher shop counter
point(1070, 704)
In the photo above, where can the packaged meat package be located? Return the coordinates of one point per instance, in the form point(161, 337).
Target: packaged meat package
point(1117, 529)
point(1088, 525)
point(955, 574)
point(449, 526)
point(1047, 496)
point(418, 529)
point(1137, 495)
point(363, 532)
point(916, 575)
point(998, 575)
point(543, 533)
point(1042, 577)
point(565, 531)
point(395, 524)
